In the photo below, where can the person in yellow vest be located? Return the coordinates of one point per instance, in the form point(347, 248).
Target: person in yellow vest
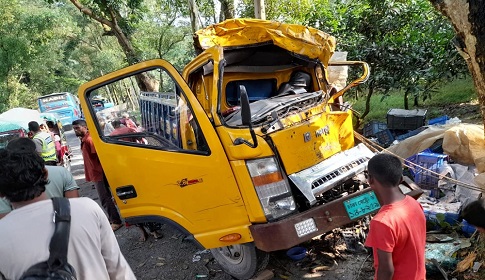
point(44, 143)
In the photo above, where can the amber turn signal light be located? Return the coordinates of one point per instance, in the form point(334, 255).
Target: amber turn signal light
point(230, 237)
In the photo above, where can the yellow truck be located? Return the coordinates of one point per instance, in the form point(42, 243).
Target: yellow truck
point(249, 151)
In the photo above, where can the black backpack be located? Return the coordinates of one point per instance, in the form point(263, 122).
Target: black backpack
point(56, 267)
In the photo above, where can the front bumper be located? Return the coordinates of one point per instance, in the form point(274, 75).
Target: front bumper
point(282, 234)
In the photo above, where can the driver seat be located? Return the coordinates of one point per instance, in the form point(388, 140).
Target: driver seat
point(300, 82)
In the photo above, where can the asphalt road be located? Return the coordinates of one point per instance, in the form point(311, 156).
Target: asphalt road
point(174, 257)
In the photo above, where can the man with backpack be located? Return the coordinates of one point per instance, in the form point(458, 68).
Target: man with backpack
point(26, 233)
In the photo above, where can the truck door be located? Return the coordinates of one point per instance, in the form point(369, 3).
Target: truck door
point(171, 164)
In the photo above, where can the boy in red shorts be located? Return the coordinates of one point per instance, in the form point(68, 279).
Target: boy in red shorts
point(397, 233)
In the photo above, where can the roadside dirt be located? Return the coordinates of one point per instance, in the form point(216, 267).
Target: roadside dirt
point(466, 112)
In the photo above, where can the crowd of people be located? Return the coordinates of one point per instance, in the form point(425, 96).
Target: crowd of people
point(29, 177)
point(26, 185)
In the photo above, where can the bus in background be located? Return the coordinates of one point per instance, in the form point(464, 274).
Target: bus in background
point(64, 105)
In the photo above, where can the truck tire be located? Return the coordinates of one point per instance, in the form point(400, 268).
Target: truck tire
point(241, 261)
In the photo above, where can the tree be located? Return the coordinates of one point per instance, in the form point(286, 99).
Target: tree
point(123, 18)
point(165, 33)
point(108, 13)
point(118, 19)
point(33, 43)
point(227, 10)
point(468, 19)
point(407, 45)
point(194, 15)
point(289, 11)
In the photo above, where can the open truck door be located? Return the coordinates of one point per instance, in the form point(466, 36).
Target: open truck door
point(172, 168)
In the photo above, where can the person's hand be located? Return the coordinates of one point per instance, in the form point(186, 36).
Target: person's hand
point(230, 110)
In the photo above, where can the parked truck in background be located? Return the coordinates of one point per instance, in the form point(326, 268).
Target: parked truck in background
point(249, 151)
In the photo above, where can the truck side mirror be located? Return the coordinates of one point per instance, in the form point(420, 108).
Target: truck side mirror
point(245, 108)
point(246, 118)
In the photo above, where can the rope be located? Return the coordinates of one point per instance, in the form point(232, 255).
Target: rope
point(375, 147)
point(361, 266)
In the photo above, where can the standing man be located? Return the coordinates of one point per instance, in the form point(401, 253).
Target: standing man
point(44, 143)
point(94, 172)
point(25, 232)
point(61, 183)
point(397, 232)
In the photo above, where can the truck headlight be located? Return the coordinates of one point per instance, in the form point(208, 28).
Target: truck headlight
point(272, 188)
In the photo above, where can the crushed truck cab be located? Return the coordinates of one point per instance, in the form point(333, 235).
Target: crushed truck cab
point(249, 151)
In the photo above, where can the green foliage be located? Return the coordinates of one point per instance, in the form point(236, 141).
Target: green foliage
point(48, 46)
point(52, 47)
point(32, 37)
point(456, 92)
point(207, 12)
point(406, 43)
point(168, 37)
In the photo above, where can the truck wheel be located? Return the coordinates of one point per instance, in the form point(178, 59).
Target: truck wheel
point(241, 261)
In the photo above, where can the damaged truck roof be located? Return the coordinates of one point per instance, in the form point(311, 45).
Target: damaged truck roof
point(301, 40)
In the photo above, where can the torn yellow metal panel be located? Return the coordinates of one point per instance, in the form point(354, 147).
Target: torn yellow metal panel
point(307, 41)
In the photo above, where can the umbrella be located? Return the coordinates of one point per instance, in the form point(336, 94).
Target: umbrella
point(21, 117)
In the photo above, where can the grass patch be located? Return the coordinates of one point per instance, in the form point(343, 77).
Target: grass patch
point(454, 92)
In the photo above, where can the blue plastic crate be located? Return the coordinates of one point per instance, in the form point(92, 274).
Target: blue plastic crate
point(410, 133)
point(414, 159)
point(373, 127)
point(385, 137)
point(430, 161)
point(433, 223)
point(439, 120)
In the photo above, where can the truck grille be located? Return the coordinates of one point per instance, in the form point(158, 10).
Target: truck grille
point(331, 172)
point(338, 172)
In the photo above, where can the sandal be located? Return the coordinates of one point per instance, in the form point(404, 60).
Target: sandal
point(116, 227)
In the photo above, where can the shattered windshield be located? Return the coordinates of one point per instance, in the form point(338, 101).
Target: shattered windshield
point(271, 109)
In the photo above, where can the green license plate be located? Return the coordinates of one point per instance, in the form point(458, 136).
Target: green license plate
point(362, 205)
